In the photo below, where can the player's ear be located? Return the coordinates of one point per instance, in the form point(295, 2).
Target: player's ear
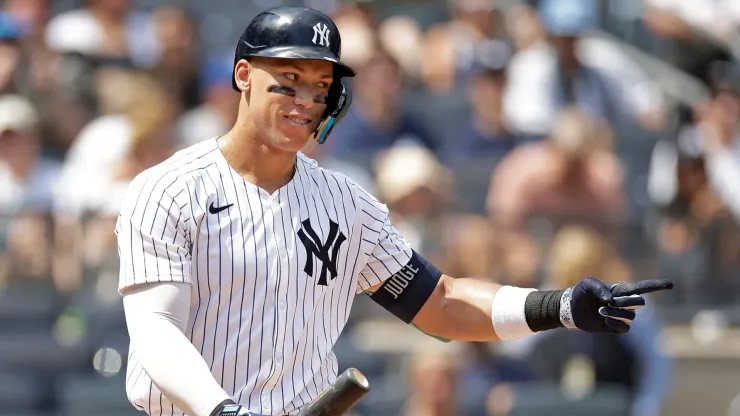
point(242, 70)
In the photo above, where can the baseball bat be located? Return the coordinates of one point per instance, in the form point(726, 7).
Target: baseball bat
point(349, 388)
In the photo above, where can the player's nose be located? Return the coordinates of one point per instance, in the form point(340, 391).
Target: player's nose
point(304, 98)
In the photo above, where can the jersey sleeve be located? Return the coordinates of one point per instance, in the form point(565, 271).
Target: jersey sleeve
point(152, 233)
point(390, 253)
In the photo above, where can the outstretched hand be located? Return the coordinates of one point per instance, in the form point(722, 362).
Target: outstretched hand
point(597, 307)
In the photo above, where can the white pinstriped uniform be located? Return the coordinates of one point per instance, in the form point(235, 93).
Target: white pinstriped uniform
point(264, 326)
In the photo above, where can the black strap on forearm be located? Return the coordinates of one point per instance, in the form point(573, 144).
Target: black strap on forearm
point(542, 310)
point(220, 407)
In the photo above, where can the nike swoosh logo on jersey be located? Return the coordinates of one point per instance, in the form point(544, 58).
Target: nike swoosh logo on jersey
point(216, 210)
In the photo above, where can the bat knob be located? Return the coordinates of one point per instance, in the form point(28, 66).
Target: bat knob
point(359, 378)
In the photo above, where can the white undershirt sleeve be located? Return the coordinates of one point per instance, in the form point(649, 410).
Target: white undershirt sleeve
point(156, 315)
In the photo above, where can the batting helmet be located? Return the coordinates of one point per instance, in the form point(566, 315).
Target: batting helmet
point(300, 33)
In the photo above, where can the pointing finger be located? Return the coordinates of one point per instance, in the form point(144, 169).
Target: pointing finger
point(641, 287)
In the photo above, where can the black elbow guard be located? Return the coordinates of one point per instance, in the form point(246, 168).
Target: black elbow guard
point(406, 292)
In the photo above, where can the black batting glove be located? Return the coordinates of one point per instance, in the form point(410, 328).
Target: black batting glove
point(597, 307)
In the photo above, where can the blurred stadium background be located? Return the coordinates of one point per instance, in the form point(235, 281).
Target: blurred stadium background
point(532, 142)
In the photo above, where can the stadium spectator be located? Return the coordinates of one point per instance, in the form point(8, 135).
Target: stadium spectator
point(694, 174)
point(433, 383)
point(177, 64)
point(402, 37)
point(418, 191)
point(720, 141)
point(377, 119)
point(447, 53)
point(693, 184)
point(524, 27)
point(484, 368)
point(573, 175)
point(10, 53)
point(31, 16)
point(217, 111)
point(134, 134)
point(680, 19)
point(484, 135)
point(27, 180)
point(356, 23)
point(472, 22)
point(105, 29)
point(115, 147)
point(694, 34)
point(29, 67)
point(568, 68)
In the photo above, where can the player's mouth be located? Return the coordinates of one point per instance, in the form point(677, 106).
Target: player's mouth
point(299, 120)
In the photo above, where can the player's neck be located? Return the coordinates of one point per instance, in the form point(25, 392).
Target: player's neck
point(261, 165)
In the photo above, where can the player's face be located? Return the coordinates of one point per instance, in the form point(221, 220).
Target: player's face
point(288, 99)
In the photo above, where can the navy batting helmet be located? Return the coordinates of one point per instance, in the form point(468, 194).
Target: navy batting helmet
point(300, 33)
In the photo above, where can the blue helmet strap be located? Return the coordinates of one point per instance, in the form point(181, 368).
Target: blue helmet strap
point(337, 107)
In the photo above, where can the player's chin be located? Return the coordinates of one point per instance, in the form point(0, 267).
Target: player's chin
point(290, 143)
point(295, 136)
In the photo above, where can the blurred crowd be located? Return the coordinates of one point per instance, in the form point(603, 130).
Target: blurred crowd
point(527, 142)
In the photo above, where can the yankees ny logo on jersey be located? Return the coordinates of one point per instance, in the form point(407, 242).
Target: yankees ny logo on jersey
point(321, 32)
point(314, 248)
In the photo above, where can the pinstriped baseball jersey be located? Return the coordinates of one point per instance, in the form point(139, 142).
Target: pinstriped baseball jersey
point(272, 277)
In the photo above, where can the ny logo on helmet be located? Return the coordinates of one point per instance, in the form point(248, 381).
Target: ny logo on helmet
point(321, 32)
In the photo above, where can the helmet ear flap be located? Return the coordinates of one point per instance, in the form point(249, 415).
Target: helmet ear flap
point(338, 104)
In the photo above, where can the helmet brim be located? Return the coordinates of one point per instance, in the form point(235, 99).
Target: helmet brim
point(304, 52)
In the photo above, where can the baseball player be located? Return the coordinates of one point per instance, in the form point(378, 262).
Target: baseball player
point(240, 257)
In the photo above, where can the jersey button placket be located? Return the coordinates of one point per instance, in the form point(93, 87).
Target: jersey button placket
point(281, 249)
point(282, 305)
point(280, 321)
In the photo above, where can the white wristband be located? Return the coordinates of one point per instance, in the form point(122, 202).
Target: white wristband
point(507, 312)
